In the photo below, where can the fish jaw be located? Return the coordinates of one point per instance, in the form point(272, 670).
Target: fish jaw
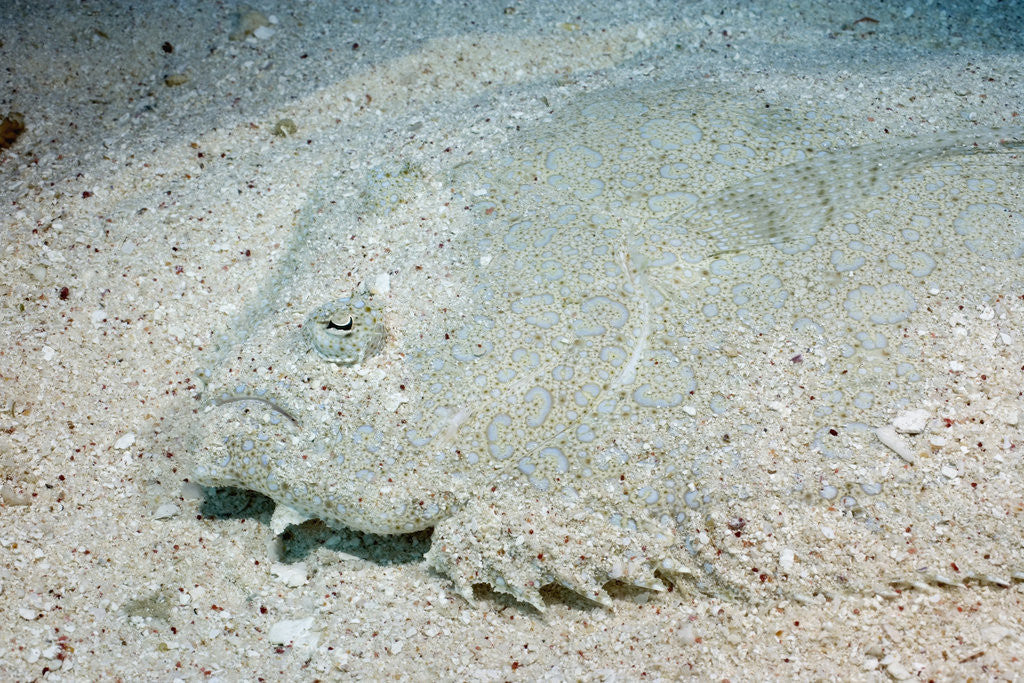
point(324, 438)
point(252, 444)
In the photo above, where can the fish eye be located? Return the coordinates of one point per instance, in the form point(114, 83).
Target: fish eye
point(335, 323)
point(333, 332)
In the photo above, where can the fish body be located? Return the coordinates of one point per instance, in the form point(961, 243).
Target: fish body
point(667, 335)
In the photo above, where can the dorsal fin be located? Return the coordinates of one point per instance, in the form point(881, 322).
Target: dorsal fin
point(795, 201)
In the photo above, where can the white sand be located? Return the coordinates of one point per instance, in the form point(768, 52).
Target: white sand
point(159, 207)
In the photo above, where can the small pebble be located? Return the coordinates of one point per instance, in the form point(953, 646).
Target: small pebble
point(285, 517)
point(175, 80)
point(993, 634)
point(249, 20)
point(166, 510)
point(888, 436)
point(125, 441)
point(897, 671)
point(293, 575)
point(297, 632)
point(911, 421)
point(786, 559)
point(10, 496)
point(393, 400)
point(381, 284)
point(1007, 414)
point(284, 128)
point(191, 491)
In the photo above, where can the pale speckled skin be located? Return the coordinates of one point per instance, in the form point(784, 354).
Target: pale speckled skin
point(646, 289)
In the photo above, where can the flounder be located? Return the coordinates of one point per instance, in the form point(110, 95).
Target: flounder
point(673, 334)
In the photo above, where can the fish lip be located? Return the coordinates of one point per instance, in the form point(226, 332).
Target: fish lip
point(222, 400)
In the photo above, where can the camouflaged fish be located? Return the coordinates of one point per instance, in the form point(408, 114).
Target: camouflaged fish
point(666, 345)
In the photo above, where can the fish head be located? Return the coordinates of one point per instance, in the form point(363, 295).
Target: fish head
point(319, 411)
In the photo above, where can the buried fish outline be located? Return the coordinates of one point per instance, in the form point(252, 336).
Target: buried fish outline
point(659, 349)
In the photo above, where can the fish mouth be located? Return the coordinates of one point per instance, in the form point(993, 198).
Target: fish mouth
point(241, 435)
point(276, 400)
point(226, 398)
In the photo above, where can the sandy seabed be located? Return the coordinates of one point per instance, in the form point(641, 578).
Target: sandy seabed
point(169, 150)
